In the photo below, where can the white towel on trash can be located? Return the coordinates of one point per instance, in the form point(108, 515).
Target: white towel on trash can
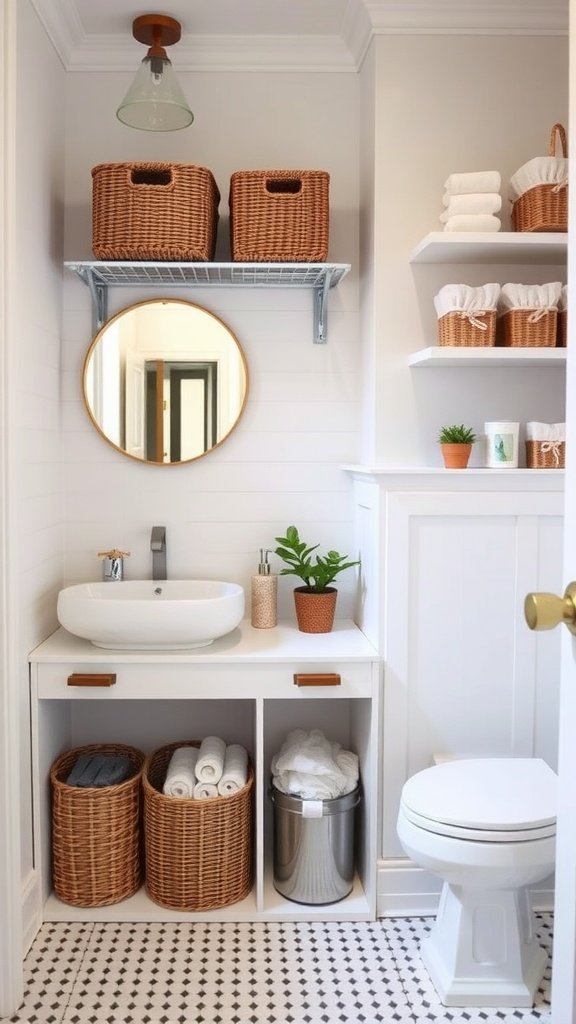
point(308, 765)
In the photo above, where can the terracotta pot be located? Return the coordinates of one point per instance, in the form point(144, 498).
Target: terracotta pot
point(315, 612)
point(456, 456)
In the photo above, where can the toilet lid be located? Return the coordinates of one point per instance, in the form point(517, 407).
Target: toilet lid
point(488, 794)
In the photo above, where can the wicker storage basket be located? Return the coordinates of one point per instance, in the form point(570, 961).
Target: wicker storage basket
point(543, 455)
point(153, 211)
point(459, 329)
point(562, 328)
point(279, 216)
point(198, 852)
point(96, 841)
point(518, 328)
point(544, 207)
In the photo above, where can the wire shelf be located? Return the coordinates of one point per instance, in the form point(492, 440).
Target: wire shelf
point(100, 275)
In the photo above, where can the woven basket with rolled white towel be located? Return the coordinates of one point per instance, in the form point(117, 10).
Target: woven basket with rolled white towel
point(235, 770)
point(210, 762)
point(539, 189)
point(528, 314)
point(467, 315)
point(545, 445)
point(180, 778)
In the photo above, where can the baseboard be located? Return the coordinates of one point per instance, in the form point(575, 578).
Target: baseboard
point(405, 890)
point(31, 909)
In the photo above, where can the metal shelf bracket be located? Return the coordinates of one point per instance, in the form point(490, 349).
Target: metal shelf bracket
point(321, 309)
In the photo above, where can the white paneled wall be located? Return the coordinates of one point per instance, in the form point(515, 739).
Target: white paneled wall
point(283, 463)
point(463, 675)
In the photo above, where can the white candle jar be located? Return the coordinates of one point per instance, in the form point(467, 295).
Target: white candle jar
point(501, 444)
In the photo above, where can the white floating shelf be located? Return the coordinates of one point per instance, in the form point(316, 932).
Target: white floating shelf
point(491, 247)
point(446, 355)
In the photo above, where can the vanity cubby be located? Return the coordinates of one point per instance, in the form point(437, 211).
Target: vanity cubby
point(242, 688)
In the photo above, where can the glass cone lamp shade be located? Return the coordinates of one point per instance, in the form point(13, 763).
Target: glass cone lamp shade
point(155, 102)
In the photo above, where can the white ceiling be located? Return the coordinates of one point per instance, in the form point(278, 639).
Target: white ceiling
point(277, 34)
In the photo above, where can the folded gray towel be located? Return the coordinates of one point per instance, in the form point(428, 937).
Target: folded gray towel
point(99, 770)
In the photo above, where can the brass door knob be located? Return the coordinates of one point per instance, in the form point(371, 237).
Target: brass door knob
point(545, 611)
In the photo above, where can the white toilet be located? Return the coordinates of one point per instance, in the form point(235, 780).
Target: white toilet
point(487, 827)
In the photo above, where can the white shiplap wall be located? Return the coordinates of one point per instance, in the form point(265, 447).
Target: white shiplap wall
point(33, 571)
point(283, 463)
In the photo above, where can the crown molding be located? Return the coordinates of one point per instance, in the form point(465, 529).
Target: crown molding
point(460, 17)
point(329, 53)
point(219, 53)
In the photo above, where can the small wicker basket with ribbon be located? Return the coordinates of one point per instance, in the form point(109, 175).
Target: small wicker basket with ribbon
point(466, 315)
point(539, 189)
point(528, 315)
point(545, 445)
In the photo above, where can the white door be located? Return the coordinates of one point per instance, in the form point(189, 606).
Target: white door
point(564, 960)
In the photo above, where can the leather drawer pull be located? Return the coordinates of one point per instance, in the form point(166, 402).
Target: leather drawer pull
point(92, 679)
point(317, 679)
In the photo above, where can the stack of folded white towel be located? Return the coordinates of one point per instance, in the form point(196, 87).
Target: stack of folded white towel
point(309, 766)
point(472, 201)
point(212, 769)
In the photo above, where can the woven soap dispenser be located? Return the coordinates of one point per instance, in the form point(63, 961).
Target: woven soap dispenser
point(264, 593)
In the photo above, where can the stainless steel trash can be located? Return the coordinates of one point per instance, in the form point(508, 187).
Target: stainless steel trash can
point(314, 847)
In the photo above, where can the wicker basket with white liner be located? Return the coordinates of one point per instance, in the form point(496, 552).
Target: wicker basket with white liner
point(466, 315)
point(545, 445)
point(539, 189)
point(528, 314)
point(562, 326)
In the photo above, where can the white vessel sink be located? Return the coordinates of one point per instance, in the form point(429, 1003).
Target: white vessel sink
point(151, 615)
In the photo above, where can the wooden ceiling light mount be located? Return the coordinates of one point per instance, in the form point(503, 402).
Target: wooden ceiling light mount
point(156, 31)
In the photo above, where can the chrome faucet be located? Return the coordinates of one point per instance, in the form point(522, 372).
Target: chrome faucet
point(158, 549)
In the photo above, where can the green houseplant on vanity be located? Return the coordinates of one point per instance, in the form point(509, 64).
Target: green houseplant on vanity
point(315, 600)
point(456, 445)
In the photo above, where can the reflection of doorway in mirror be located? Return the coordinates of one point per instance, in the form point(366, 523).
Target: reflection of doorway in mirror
point(181, 409)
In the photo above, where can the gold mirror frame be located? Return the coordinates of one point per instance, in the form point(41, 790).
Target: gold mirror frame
point(185, 392)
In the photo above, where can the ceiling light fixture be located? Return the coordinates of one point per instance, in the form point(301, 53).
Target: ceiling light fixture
point(155, 102)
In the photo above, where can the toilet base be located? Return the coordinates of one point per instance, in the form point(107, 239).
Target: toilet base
point(482, 950)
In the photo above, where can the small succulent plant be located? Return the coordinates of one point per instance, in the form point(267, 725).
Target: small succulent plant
point(456, 434)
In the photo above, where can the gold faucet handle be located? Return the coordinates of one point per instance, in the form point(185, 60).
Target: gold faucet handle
point(546, 611)
point(114, 553)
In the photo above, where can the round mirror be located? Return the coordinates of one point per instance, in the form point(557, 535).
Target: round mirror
point(165, 381)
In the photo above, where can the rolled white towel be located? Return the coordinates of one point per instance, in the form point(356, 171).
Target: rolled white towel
point(477, 203)
point(473, 181)
point(180, 779)
point(473, 222)
point(473, 202)
point(210, 763)
point(205, 791)
point(235, 770)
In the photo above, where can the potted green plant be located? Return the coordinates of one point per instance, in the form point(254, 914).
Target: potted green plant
point(315, 600)
point(456, 444)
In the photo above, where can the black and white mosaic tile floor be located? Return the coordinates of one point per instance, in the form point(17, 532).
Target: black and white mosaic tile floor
point(277, 973)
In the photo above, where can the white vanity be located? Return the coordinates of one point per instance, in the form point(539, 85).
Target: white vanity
point(241, 687)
